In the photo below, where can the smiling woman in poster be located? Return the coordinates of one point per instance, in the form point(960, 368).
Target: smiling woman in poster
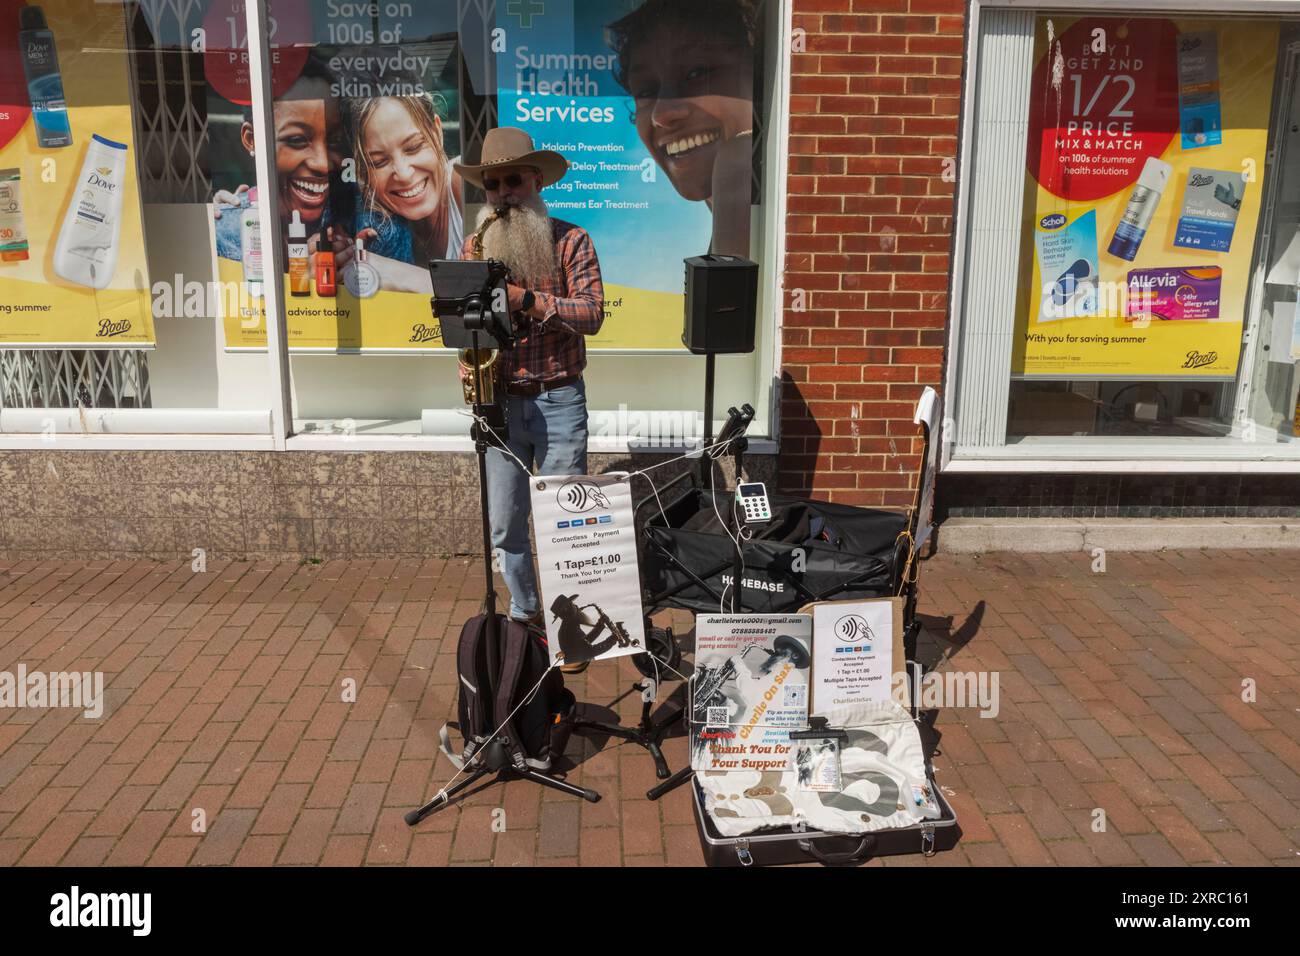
point(405, 177)
point(408, 205)
point(689, 67)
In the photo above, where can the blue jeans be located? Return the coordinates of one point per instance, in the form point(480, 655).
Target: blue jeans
point(549, 432)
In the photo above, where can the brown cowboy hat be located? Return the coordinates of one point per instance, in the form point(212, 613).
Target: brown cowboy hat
point(508, 146)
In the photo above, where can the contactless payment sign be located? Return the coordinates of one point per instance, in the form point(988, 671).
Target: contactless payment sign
point(1105, 97)
point(586, 555)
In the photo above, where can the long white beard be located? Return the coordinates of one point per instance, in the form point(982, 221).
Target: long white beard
point(523, 241)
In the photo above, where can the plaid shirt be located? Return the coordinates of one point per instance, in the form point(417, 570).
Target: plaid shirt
point(574, 303)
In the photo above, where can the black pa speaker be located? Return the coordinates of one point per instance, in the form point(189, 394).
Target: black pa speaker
point(721, 304)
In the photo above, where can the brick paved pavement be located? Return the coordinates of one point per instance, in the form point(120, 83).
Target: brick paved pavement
point(1119, 691)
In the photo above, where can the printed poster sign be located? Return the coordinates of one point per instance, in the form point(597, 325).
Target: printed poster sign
point(654, 110)
point(749, 691)
point(1147, 138)
point(853, 652)
point(366, 113)
point(72, 259)
point(586, 556)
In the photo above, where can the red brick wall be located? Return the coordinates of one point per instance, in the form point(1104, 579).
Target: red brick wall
point(873, 116)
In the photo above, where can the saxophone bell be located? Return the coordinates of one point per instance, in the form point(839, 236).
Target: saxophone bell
point(480, 365)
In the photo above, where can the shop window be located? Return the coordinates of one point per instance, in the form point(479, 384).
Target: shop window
point(106, 276)
point(662, 108)
point(1131, 174)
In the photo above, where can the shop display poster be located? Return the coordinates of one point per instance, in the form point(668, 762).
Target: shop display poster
point(1147, 138)
point(72, 256)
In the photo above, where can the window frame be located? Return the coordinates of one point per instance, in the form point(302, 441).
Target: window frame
point(1095, 454)
point(281, 436)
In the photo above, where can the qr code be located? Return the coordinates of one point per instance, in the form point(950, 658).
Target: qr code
point(796, 695)
point(716, 716)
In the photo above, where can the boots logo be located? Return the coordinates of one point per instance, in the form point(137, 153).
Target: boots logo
point(425, 333)
point(108, 328)
point(1197, 359)
point(577, 497)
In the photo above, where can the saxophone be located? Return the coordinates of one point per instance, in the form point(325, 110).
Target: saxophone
point(480, 363)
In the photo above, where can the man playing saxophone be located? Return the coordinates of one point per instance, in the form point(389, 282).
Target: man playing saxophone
point(557, 299)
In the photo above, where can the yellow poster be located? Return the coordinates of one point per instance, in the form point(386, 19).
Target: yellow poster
point(72, 257)
point(341, 322)
point(373, 116)
point(403, 321)
point(1147, 141)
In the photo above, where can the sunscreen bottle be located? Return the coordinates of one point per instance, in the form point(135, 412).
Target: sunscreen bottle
point(13, 233)
point(86, 252)
point(1141, 209)
point(44, 81)
point(299, 261)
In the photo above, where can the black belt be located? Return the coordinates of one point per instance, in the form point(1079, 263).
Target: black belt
point(534, 388)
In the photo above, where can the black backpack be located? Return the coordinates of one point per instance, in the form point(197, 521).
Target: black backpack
point(539, 729)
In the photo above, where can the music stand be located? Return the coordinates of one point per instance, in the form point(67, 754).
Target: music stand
point(469, 301)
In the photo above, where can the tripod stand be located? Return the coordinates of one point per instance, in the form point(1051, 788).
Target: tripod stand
point(463, 318)
point(649, 732)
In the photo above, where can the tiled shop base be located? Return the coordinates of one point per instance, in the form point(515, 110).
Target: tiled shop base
point(1118, 496)
point(227, 739)
point(261, 505)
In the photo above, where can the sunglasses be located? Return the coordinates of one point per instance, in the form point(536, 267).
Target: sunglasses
point(514, 181)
